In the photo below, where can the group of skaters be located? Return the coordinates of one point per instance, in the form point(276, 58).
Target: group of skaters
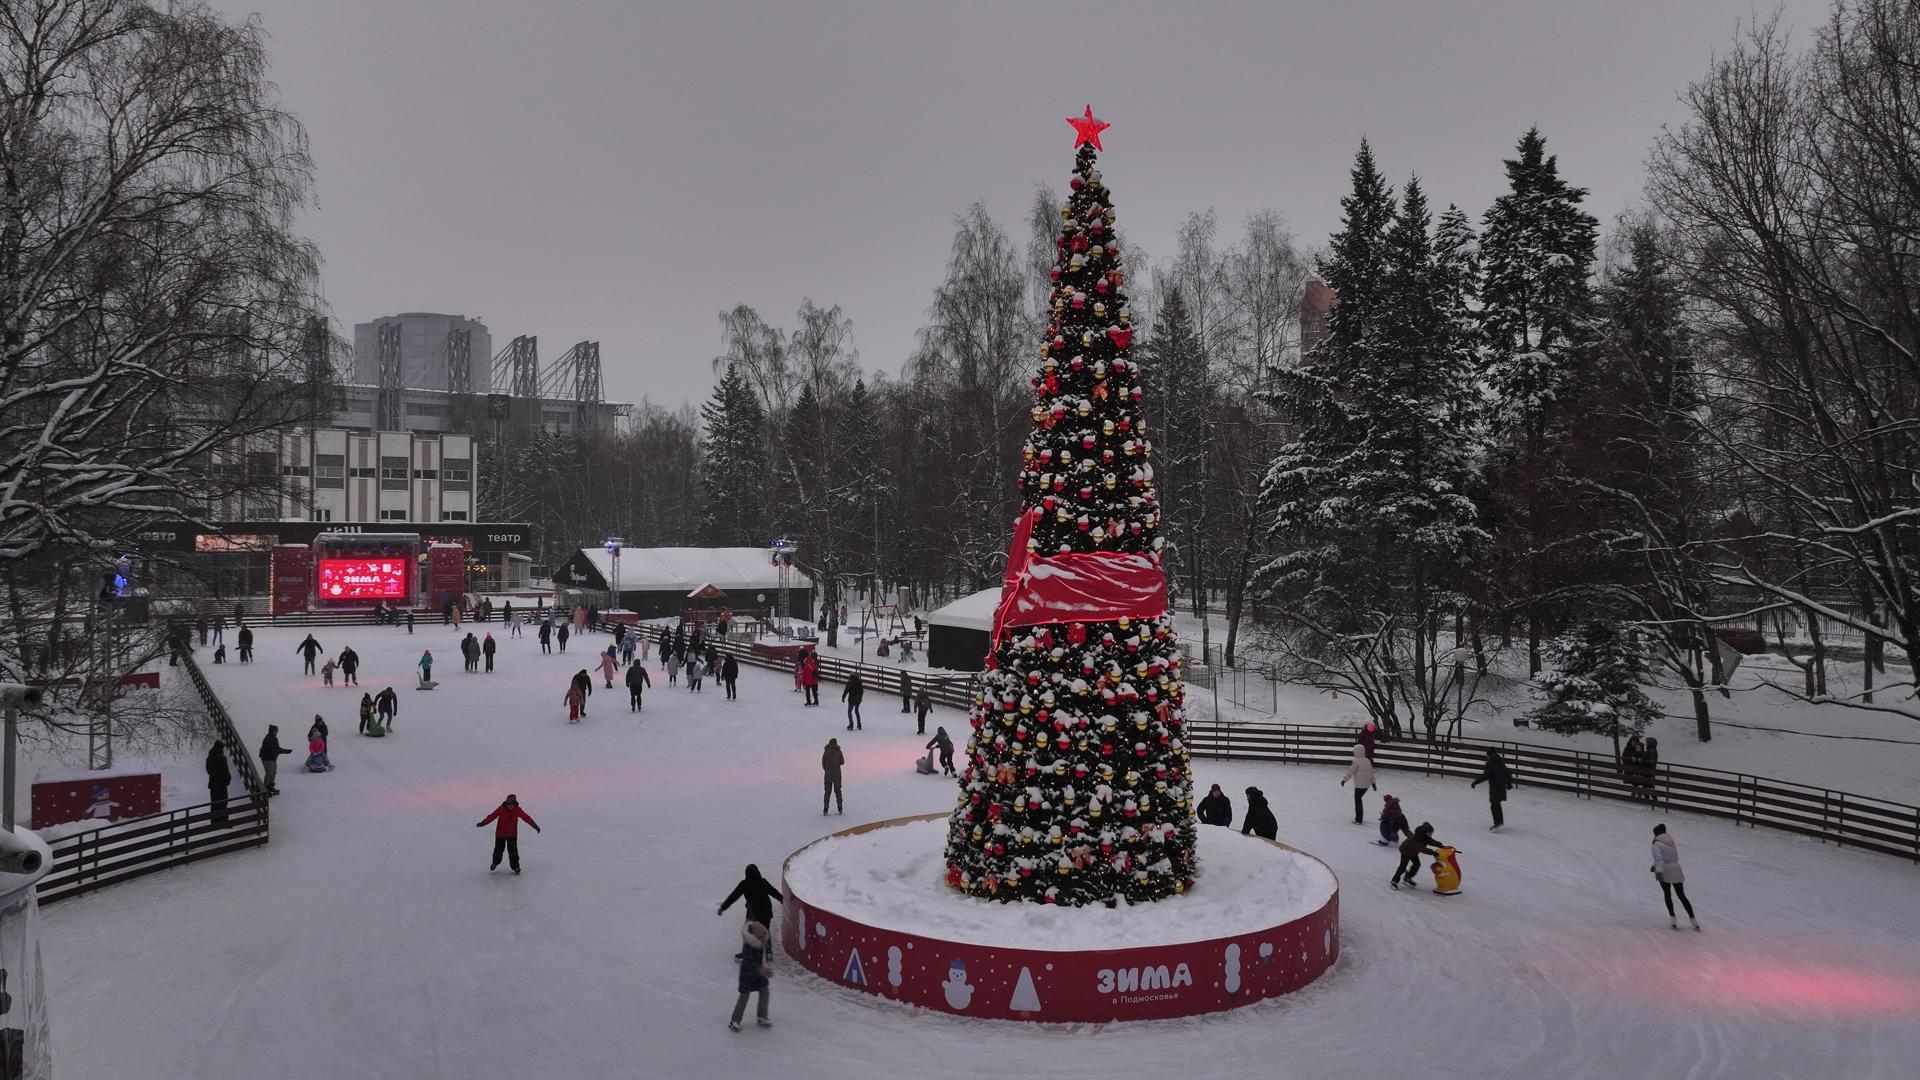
point(1417, 842)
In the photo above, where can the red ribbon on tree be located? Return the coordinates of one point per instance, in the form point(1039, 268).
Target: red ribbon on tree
point(1083, 587)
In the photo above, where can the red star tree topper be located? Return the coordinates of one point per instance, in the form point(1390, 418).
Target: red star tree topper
point(1077, 787)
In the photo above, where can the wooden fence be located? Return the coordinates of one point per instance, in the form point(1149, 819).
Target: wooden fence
point(136, 847)
point(1825, 814)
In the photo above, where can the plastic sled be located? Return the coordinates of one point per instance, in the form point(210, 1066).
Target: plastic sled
point(318, 763)
point(427, 684)
point(375, 730)
point(925, 766)
point(1446, 871)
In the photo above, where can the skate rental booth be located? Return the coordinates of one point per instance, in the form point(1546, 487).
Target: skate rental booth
point(959, 634)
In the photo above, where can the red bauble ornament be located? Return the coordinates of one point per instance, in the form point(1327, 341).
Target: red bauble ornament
point(1122, 337)
point(953, 875)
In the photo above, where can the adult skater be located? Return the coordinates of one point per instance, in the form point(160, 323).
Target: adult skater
point(1259, 820)
point(219, 775)
point(470, 653)
point(1632, 759)
point(855, 689)
point(487, 649)
point(906, 693)
point(220, 629)
point(426, 666)
point(245, 640)
point(446, 612)
point(563, 633)
point(506, 612)
point(1650, 770)
point(545, 634)
point(506, 820)
point(922, 705)
point(1393, 822)
point(583, 682)
point(409, 620)
point(759, 895)
point(1361, 773)
point(1369, 735)
point(310, 649)
point(830, 761)
point(608, 665)
point(459, 613)
point(730, 676)
point(1422, 842)
point(349, 666)
point(1216, 808)
point(943, 742)
point(1673, 881)
point(810, 676)
point(200, 624)
point(270, 754)
point(386, 704)
point(1498, 779)
point(753, 975)
point(366, 712)
point(637, 681)
point(694, 669)
point(513, 622)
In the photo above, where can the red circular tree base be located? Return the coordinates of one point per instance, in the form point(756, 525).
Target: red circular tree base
point(1147, 982)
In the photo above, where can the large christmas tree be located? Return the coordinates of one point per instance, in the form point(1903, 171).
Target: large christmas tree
point(1077, 788)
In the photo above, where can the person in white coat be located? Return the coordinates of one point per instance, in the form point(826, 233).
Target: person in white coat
point(1673, 880)
point(1361, 773)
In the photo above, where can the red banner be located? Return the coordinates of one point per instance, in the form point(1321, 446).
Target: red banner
point(1096, 586)
point(102, 799)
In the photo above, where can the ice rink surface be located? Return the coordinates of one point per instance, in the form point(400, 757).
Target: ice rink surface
point(368, 939)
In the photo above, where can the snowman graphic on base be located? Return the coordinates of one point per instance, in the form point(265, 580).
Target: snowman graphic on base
point(959, 993)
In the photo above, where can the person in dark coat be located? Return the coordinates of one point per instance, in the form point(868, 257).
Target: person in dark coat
point(546, 637)
point(1393, 822)
point(759, 895)
point(506, 832)
point(349, 665)
point(1369, 735)
point(1632, 760)
point(636, 682)
point(943, 742)
point(200, 624)
point(563, 635)
point(1259, 820)
point(487, 648)
point(245, 640)
point(178, 644)
point(1216, 808)
point(830, 761)
point(754, 970)
point(855, 690)
point(583, 682)
point(906, 693)
point(470, 652)
point(730, 676)
point(270, 754)
point(386, 703)
point(1498, 780)
point(922, 705)
point(219, 775)
point(1650, 770)
point(409, 620)
point(310, 649)
point(318, 730)
point(1422, 842)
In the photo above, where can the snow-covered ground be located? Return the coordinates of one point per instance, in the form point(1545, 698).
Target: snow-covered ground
point(368, 940)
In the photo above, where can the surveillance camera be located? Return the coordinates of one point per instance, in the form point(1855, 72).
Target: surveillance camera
point(17, 695)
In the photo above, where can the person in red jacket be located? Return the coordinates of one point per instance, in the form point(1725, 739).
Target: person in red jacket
point(506, 832)
point(810, 676)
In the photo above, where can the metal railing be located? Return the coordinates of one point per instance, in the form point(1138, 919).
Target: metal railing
point(139, 846)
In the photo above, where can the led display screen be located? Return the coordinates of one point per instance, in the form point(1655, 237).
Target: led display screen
point(362, 579)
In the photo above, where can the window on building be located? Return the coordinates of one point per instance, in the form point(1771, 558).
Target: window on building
point(321, 515)
point(329, 470)
point(364, 474)
point(456, 471)
point(453, 515)
point(418, 408)
point(295, 470)
point(393, 515)
point(426, 474)
point(393, 473)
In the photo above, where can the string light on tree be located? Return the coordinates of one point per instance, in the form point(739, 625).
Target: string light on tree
point(1078, 788)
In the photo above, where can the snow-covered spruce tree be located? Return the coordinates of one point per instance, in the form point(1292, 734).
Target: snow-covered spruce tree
point(1077, 784)
point(734, 465)
point(1596, 683)
point(1374, 502)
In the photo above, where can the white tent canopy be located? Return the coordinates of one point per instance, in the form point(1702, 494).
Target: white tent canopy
point(973, 612)
point(735, 570)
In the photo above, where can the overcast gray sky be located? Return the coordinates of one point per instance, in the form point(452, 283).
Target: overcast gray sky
point(624, 171)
